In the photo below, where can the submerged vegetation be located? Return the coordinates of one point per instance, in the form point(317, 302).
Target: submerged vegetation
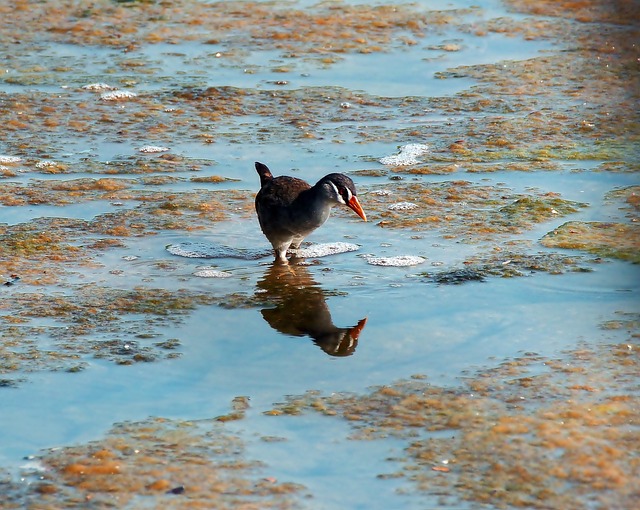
point(534, 432)
point(616, 240)
point(172, 463)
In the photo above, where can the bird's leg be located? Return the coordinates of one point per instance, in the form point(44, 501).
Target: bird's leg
point(281, 256)
point(281, 260)
point(295, 245)
point(280, 251)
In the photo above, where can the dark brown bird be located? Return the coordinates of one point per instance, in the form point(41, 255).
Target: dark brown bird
point(289, 209)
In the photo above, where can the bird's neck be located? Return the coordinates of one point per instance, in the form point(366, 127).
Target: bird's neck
point(314, 206)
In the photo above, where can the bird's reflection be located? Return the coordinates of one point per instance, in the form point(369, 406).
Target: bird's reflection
point(300, 309)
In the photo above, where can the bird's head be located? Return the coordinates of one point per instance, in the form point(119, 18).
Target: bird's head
point(340, 189)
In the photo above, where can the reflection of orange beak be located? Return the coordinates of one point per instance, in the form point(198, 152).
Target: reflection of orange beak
point(355, 331)
point(355, 205)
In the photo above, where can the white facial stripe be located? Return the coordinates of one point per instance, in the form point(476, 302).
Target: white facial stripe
point(338, 195)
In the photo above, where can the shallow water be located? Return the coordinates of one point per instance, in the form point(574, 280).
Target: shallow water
point(265, 351)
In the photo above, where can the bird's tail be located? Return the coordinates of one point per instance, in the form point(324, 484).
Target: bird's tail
point(264, 173)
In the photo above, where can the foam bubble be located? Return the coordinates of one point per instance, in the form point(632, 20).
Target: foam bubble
point(325, 249)
point(214, 251)
point(9, 159)
point(398, 261)
point(381, 192)
point(408, 155)
point(98, 86)
point(45, 163)
point(218, 251)
point(403, 206)
point(117, 95)
point(153, 148)
point(211, 273)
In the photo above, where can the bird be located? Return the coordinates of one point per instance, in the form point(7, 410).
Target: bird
point(289, 209)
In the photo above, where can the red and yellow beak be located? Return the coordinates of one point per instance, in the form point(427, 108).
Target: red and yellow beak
point(355, 205)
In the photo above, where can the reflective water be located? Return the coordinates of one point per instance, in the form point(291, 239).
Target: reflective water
point(337, 324)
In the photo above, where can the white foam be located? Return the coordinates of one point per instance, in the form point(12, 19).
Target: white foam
point(98, 86)
point(214, 251)
point(35, 465)
point(380, 192)
point(153, 148)
point(408, 155)
point(403, 206)
point(218, 251)
point(398, 261)
point(9, 159)
point(45, 163)
point(211, 273)
point(117, 95)
point(325, 249)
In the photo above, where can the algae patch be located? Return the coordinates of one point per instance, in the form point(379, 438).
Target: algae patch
point(90, 321)
point(533, 432)
point(510, 264)
point(460, 209)
point(157, 462)
point(617, 240)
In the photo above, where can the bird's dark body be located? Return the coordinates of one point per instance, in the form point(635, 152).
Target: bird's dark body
point(281, 207)
point(289, 209)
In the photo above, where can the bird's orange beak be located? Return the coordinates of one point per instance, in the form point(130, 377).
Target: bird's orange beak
point(355, 205)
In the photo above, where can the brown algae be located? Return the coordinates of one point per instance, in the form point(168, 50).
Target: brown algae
point(532, 432)
point(170, 463)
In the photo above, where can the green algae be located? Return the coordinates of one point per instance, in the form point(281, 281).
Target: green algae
point(518, 100)
point(86, 320)
point(509, 264)
point(94, 321)
point(509, 121)
point(333, 28)
point(538, 209)
point(619, 166)
point(630, 197)
point(533, 432)
point(117, 190)
point(463, 210)
point(624, 320)
point(28, 242)
point(41, 249)
point(605, 239)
